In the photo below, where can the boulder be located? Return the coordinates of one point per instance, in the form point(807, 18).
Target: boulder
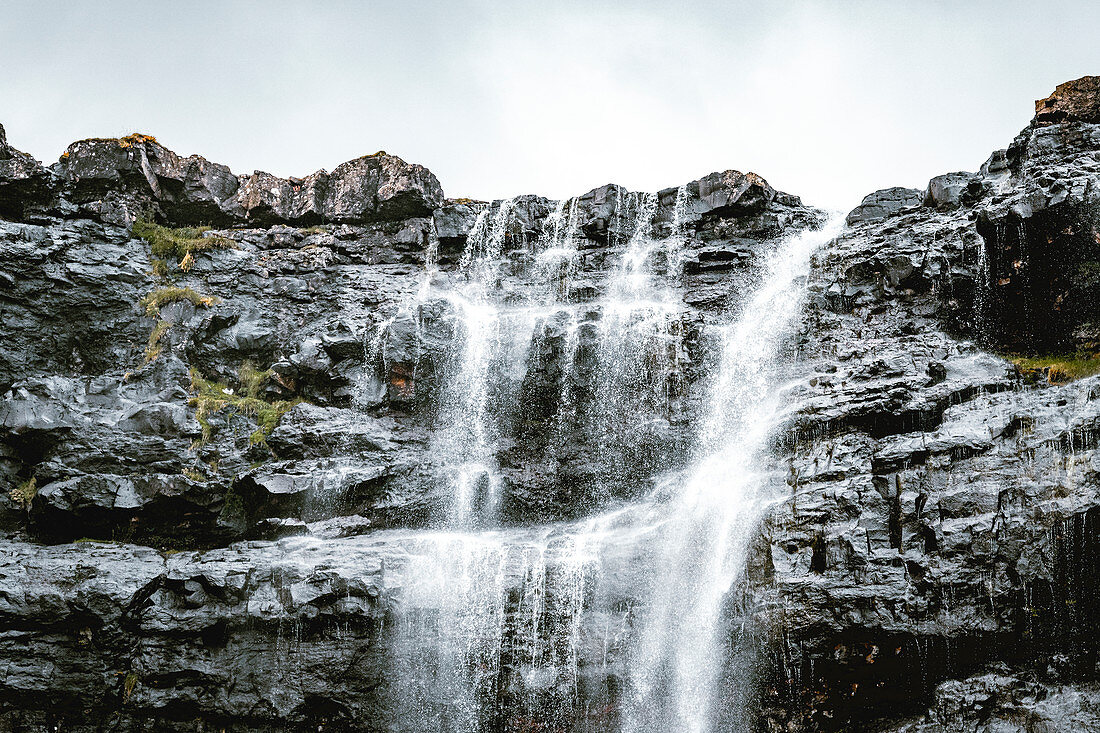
point(24, 182)
point(1077, 100)
point(723, 194)
point(381, 187)
point(885, 202)
point(950, 189)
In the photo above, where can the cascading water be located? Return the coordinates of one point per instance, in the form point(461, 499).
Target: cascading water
point(640, 348)
point(524, 629)
point(701, 548)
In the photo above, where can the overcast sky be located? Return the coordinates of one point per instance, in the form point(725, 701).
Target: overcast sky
point(827, 100)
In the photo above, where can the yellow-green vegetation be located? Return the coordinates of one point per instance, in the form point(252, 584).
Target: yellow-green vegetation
point(24, 493)
point(135, 138)
point(194, 475)
point(160, 269)
point(319, 229)
point(129, 682)
point(178, 244)
point(152, 351)
point(210, 397)
point(155, 300)
point(1058, 369)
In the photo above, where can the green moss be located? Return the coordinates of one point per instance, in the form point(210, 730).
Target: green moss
point(194, 475)
point(314, 230)
point(1058, 368)
point(178, 244)
point(232, 504)
point(154, 301)
point(211, 397)
point(252, 379)
point(129, 682)
point(24, 493)
point(160, 269)
point(153, 349)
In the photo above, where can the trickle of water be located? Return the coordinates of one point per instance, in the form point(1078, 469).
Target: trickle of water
point(485, 617)
point(640, 335)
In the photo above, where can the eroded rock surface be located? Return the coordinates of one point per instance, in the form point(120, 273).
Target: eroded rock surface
point(249, 544)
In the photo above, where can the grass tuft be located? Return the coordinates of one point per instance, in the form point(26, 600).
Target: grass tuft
point(24, 493)
point(210, 397)
point(1056, 368)
point(129, 682)
point(194, 475)
point(178, 244)
point(154, 301)
point(152, 351)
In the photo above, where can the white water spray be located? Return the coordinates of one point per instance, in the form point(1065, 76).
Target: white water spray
point(702, 548)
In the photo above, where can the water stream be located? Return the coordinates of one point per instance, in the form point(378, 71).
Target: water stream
point(613, 622)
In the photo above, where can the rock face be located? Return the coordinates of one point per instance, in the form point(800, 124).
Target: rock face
point(1073, 101)
point(216, 474)
point(24, 183)
point(881, 204)
point(117, 180)
point(942, 516)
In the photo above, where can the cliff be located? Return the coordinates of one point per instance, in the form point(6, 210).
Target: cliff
point(234, 408)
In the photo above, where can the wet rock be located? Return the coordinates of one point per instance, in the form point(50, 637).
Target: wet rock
point(951, 188)
point(24, 182)
point(929, 560)
point(884, 203)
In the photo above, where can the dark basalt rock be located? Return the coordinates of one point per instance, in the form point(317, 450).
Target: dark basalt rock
point(24, 183)
point(117, 180)
point(952, 189)
point(884, 203)
point(933, 532)
point(931, 561)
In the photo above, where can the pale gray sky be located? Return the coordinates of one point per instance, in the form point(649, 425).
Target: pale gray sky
point(827, 100)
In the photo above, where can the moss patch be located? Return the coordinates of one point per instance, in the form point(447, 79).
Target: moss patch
point(153, 349)
point(154, 301)
point(24, 493)
point(1057, 368)
point(210, 397)
point(179, 245)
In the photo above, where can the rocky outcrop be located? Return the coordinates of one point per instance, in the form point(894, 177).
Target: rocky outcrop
point(1073, 101)
point(24, 183)
point(941, 522)
point(881, 204)
point(118, 180)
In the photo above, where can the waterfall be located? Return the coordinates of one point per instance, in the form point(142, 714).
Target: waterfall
point(468, 437)
point(523, 629)
point(702, 547)
point(640, 350)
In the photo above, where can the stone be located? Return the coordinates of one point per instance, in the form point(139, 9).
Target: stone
point(883, 203)
point(951, 188)
point(1072, 101)
point(24, 182)
point(928, 560)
